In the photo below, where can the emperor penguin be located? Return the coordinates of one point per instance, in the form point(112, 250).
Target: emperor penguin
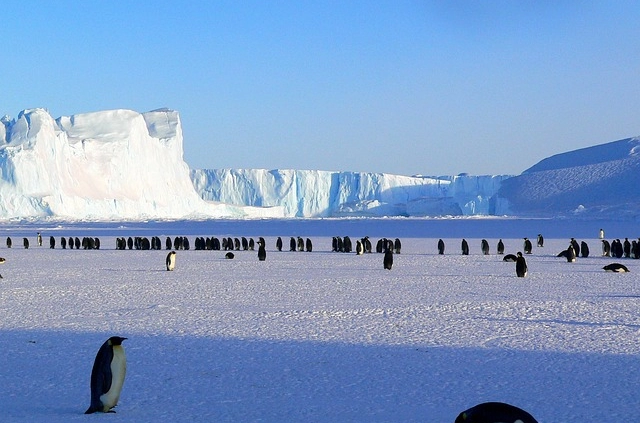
point(171, 260)
point(262, 252)
point(495, 412)
point(616, 267)
point(387, 261)
point(465, 247)
point(107, 376)
point(484, 246)
point(521, 266)
point(601, 233)
point(500, 247)
point(527, 246)
point(2, 260)
point(39, 238)
point(440, 246)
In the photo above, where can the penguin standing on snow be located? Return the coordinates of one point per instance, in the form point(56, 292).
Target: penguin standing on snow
point(465, 247)
point(262, 252)
point(387, 261)
point(39, 238)
point(492, 412)
point(440, 246)
point(521, 266)
point(540, 240)
point(527, 246)
point(171, 260)
point(2, 260)
point(107, 376)
point(500, 247)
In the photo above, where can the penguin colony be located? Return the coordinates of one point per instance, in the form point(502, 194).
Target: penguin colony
point(109, 368)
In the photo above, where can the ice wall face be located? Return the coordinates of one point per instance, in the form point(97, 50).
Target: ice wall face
point(109, 165)
point(311, 193)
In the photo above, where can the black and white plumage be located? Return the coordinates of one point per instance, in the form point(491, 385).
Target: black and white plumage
point(387, 261)
point(500, 248)
point(495, 412)
point(107, 376)
point(521, 266)
point(171, 261)
point(584, 249)
point(2, 260)
point(527, 246)
point(606, 248)
point(510, 258)
point(616, 267)
point(540, 240)
point(465, 247)
point(484, 246)
point(229, 256)
point(262, 252)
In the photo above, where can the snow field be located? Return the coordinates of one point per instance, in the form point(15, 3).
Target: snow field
point(320, 336)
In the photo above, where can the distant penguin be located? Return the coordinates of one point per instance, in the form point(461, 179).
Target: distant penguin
point(521, 266)
point(626, 248)
point(9, 242)
point(229, 255)
point(309, 245)
point(484, 246)
point(171, 260)
point(584, 249)
point(494, 412)
point(279, 244)
point(440, 246)
point(262, 252)
point(576, 246)
point(25, 243)
point(397, 245)
point(527, 246)
point(540, 240)
point(606, 248)
point(107, 376)
point(615, 267)
point(52, 242)
point(2, 260)
point(39, 239)
point(387, 261)
point(500, 248)
point(510, 258)
point(601, 233)
point(70, 243)
point(465, 247)
point(292, 244)
point(569, 254)
point(63, 243)
point(359, 247)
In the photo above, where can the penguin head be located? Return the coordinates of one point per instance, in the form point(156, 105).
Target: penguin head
point(116, 340)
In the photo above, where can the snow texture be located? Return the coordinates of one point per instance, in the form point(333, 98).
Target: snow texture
point(600, 181)
point(321, 336)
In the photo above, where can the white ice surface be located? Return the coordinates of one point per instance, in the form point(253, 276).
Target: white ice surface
point(320, 336)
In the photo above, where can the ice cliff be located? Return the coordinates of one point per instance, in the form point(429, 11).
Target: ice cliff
point(109, 165)
point(125, 165)
point(313, 193)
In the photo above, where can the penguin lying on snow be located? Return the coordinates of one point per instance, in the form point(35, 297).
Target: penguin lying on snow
point(510, 257)
point(2, 260)
point(494, 412)
point(615, 267)
point(107, 376)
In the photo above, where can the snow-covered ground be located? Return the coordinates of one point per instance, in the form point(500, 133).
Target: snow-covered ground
point(321, 336)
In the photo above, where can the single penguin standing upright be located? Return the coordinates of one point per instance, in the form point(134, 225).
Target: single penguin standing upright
point(279, 244)
point(171, 260)
point(387, 261)
point(262, 252)
point(606, 248)
point(500, 246)
point(465, 247)
point(39, 238)
point(527, 246)
point(491, 412)
point(521, 266)
point(484, 246)
point(540, 240)
point(107, 376)
point(25, 243)
point(440, 246)
point(601, 233)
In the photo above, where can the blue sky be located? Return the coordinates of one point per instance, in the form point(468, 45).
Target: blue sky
point(406, 87)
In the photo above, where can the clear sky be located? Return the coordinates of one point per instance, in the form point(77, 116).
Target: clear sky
point(406, 87)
